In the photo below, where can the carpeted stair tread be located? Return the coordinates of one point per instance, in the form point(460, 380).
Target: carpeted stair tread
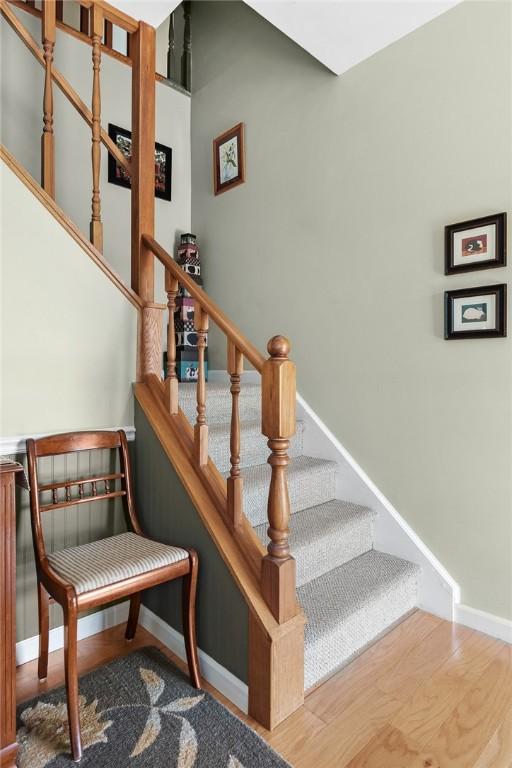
point(218, 402)
point(310, 482)
point(350, 606)
point(253, 445)
point(326, 536)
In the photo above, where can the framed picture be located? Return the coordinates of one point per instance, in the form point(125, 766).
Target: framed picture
point(163, 163)
point(471, 313)
point(229, 159)
point(476, 244)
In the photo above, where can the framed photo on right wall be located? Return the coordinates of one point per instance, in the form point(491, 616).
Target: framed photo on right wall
point(472, 313)
point(476, 244)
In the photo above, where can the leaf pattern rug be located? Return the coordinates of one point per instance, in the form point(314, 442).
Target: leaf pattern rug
point(140, 712)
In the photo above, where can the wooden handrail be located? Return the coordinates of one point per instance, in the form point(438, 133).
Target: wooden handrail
point(61, 82)
point(114, 15)
point(208, 305)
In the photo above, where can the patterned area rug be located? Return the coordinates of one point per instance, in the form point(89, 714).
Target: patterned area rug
point(140, 712)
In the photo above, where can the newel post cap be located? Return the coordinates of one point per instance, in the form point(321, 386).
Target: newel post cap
point(279, 346)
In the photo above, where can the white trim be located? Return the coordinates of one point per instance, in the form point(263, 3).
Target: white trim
point(488, 623)
point(439, 592)
point(27, 650)
point(218, 676)
point(17, 443)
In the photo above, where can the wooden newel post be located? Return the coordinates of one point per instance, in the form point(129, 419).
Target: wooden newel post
point(278, 396)
point(234, 482)
point(171, 380)
point(151, 342)
point(47, 138)
point(96, 228)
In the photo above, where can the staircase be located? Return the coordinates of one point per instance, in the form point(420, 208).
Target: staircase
point(316, 590)
point(350, 593)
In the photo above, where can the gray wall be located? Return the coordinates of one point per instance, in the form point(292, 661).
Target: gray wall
point(336, 240)
point(167, 514)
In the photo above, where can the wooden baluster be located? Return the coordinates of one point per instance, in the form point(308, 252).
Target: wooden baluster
point(171, 53)
point(96, 229)
point(142, 49)
point(235, 483)
point(47, 139)
point(278, 424)
point(171, 380)
point(84, 20)
point(201, 428)
point(186, 57)
point(109, 33)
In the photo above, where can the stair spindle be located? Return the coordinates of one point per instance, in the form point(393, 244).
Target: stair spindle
point(171, 53)
point(171, 380)
point(278, 424)
point(201, 428)
point(186, 57)
point(48, 139)
point(96, 229)
point(235, 368)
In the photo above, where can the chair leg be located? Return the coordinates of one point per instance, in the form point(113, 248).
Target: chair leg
point(43, 599)
point(189, 619)
point(70, 663)
point(133, 616)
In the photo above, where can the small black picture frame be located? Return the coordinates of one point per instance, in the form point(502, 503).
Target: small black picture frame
point(474, 313)
point(475, 244)
point(163, 163)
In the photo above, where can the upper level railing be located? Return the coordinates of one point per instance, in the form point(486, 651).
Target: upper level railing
point(276, 569)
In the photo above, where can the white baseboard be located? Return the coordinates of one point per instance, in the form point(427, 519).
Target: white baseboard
point(220, 677)
point(17, 443)
point(28, 650)
point(484, 622)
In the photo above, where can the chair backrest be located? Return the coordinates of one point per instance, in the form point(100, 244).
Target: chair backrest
point(70, 493)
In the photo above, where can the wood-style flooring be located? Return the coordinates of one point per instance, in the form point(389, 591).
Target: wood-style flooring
point(429, 694)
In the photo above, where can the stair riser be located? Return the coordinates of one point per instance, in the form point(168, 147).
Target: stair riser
point(304, 489)
point(328, 651)
point(254, 449)
point(331, 552)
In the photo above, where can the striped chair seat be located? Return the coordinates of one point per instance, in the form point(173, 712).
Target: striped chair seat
point(113, 559)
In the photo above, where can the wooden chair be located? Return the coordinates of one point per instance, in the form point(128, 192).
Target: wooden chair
point(83, 577)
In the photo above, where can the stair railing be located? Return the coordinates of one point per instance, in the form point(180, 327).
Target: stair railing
point(99, 11)
point(276, 569)
point(278, 397)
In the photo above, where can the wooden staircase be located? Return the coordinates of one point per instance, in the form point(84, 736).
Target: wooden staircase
point(265, 576)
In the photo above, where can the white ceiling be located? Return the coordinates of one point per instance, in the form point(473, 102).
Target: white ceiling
point(339, 33)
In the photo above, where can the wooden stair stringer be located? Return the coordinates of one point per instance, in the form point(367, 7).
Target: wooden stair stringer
point(276, 651)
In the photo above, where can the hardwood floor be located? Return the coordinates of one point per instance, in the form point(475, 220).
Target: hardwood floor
point(427, 695)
